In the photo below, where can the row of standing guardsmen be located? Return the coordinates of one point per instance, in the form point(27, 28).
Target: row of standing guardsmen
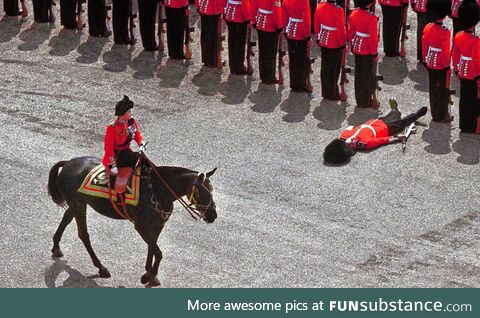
point(333, 23)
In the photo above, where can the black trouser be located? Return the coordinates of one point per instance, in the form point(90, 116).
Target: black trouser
point(97, 17)
point(42, 10)
point(297, 64)
point(330, 72)
point(267, 55)
point(126, 158)
point(120, 16)
point(147, 13)
point(237, 42)
point(469, 105)
point(365, 81)
point(392, 27)
point(176, 24)
point(68, 13)
point(11, 7)
point(438, 94)
point(422, 20)
point(209, 38)
point(313, 7)
point(395, 123)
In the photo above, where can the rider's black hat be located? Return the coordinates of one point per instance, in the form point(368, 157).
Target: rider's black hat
point(123, 106)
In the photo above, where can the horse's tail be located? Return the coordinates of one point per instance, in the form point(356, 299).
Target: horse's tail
point(53, 189)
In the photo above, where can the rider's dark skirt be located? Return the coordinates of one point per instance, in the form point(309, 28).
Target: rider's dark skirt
point(330, 72)
point(438, 94)
point(11, 7)
point(365, 81)
point(297, 64)
point(267, 55)
point(469, 105)
point(126, 158)
point(392, 27)
point(42, 10)
point(147, 13)
point(68, 16)
point(97, 18)
point(237, 41)
point(120, 21)
point(209, 39)
point(176, 23)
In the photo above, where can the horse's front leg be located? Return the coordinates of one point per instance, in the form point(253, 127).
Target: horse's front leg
point(149, 231)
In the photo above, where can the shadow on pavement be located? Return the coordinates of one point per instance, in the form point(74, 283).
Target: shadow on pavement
point(35, 36)
point(172, 73)
point(266, 98)
point(393, 69)
point(208, 81)
point(90, 50)
point(468, 148)
point(236, 89)
point(65, 42)
point(361, 115)
point(118, 58)
point(330, 114)
point(438, 136)
point(10, 27)
point(296, 107)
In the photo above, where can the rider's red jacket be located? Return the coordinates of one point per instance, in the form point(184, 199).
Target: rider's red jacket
point(118, 137)
point(372, 134)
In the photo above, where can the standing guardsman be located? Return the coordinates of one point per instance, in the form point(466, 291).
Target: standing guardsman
point(11, 8)
point(297, 26)
point(120, 17)
point(210, 12)
point(177, 12)
point(331, 35)
point(423, 18)
point(42, 11)
point(457, 24)
point(392, 11)
point(466, 65)
point(68, 13)
point(237, 14)
point(268, 22)
point(363, 37)
point(147, 13)
point(436, 58)
point(97, 18)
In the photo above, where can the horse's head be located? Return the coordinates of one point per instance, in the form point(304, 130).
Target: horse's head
point(202, 198)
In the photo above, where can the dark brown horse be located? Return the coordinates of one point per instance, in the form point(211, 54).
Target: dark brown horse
point(149, 216)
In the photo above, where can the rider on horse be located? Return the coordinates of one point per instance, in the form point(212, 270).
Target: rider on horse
point(119, 159)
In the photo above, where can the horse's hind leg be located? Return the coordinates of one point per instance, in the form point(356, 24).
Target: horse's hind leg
point(67, 218)
point(81, 218)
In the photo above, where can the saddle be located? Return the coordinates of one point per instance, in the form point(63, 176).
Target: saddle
point(98, 184)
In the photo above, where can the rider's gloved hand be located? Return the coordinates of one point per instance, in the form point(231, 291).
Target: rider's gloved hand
point(112, 170)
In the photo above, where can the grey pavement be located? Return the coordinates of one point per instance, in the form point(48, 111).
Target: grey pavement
point(386, 219)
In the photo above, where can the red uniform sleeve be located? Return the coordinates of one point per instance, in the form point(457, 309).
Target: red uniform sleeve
point(316, 20)
point(446, 48)
point(341, 30)
point(247, 10)
point(285, 15)
point(277, 13)
point(476, 58)
point(197, 4)
point(307, 19)
point(138, 134)
point(377, 142)
point(373, 30)
point(254, 10)
point(425, 42)
point(351, 28)
point(108, 144)
point(456, 52)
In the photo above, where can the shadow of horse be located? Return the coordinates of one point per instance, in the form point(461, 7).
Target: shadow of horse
point(296, 107)
point(10, 27)
point(393, 69)
point(330, 114)
point(35, 36)
point(90, 50)
point(144, 65)
point(207, 80)
point(266, 98)
point(65, 42)
point(54, 277)
point(438, 136)
point(117, 59)
point(172, 73)
point(468, 148)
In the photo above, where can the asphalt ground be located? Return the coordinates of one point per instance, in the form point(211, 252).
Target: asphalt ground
point(285, 219)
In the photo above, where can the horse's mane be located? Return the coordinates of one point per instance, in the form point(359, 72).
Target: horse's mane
point(174, 170)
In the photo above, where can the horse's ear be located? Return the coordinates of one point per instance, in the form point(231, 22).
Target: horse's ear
point(200, 178)
point(209, 174)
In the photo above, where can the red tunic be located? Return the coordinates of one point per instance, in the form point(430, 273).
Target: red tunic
point(370, 135)
point(393, 3)
point(176, 3)
point(329, 24)
point(297, 20)
point(436, 46)
point(210, 7)
point(237, 11)
point(420, 5)
point(363, 32)
point(267, 14)
point(118, 137)
point(466, 55)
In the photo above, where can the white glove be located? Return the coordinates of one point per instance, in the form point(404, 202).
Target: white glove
point(141, 148)
point(114, 170)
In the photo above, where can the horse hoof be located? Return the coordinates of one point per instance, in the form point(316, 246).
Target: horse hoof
point(104, 273)
point(154, 282)
point(145, 278)
point(57, 253)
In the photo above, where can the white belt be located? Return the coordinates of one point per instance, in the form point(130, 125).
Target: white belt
point(434, 49)
point(265, 11)
point(328, 28)
point(363, 35)
point(294, 20)
point(361, 127)
point(237, 3)
point(465, 58)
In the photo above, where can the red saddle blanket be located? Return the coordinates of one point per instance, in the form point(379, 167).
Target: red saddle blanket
point(96, 184)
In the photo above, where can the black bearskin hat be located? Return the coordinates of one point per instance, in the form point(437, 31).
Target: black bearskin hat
point(337, 152)
point(123, 106)
point(362, 3)
point(469, 13)
point(439, 9)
